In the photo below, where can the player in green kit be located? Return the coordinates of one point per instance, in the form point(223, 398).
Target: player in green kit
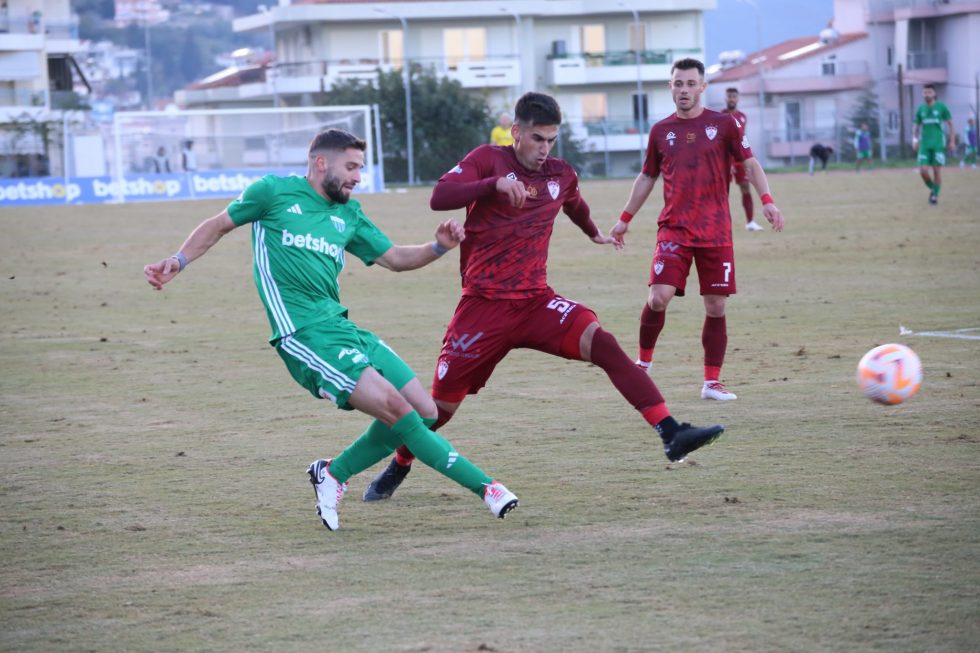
point(931, 141)
point(302, 229)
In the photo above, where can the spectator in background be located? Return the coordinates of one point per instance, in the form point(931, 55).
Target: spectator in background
point(188, 160)
point(862, 146)
point(501, 134)
point(970, 141)
point(160, 163)
point(821, 152)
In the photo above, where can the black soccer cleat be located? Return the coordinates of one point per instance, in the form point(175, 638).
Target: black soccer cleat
point(689, 438)
point(933, 198)
point(385, 483)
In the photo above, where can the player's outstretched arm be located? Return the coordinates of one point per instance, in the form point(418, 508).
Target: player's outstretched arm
point(757, 176)
point(400, 258)
point(642, 187)
point(200, 241)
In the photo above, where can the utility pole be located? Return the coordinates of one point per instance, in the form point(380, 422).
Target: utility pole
point(901, 115)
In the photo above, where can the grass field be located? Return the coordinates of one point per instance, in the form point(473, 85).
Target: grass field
point(153, 448)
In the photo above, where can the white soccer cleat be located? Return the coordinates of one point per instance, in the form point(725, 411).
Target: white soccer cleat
point(716, 390)
point(753, 226)
point(328, 492)
point(499, 499)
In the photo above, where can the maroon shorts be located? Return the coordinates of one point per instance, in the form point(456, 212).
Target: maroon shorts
point(716, 267)
point(483, 331)
point(738, 171)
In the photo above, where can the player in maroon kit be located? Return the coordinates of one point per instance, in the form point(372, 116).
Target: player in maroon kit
point(694, 150)
point(512, 195)
point(738, 169)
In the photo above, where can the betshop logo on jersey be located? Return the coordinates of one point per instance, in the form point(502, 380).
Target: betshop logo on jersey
point(314, 244)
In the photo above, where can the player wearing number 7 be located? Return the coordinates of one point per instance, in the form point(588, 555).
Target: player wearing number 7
point(693, 150)
point(512, 195)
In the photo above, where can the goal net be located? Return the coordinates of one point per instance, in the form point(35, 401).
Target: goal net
point(167, 155)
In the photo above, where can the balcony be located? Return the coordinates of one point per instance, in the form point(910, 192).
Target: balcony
point(923, 66)
point(613, 135)
point(827, 76)
point(495, 72)
point(613, 67)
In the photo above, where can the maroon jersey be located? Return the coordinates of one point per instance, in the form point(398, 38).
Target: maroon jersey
point(740, 118)
point(505, 253)
point(695, 157)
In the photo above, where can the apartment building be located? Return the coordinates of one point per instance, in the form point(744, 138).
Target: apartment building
point(808, 88)
point(607, 63)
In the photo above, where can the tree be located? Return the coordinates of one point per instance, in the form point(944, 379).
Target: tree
point(447, 120)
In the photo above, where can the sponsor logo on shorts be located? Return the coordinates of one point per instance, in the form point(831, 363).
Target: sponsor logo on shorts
point(563, 306)
point(668, 247)
point(464, 342)
point(355, 354)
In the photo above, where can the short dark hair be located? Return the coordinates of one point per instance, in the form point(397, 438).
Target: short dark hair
point(731, 89)
point(537, 109)
point(337, 140)
point(932, 86)
point(687, 64)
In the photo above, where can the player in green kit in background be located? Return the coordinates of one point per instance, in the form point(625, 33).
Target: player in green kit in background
point(931, 141)
point(302, 228)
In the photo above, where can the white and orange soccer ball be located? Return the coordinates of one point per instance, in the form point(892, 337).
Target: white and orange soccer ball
point(889, 374)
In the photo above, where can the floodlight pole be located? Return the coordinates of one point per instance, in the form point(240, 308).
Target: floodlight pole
point(639, 86)
point(407, 76)
point(149, 58)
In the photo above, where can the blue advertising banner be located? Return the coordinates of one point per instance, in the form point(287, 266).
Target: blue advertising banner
point(29, 191)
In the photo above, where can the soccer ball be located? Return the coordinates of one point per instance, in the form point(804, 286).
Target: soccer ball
point(889, 374)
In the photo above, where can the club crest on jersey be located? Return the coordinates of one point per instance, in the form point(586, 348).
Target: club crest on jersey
point(442, 369)
point(711, 131)
point(553, 189)
point(671, 136)
point(338, 223)
point(658, 267)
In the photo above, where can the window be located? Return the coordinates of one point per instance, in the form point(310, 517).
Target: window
point(829, 65)
point(594, 107)
point(466, 44)
point(392, 46)
point(593, 39)
point(638, 36)
point(792, 111)
point(640, 111)
point(893, 121)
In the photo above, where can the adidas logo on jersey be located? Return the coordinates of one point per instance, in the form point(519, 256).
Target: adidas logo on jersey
point(295, 209)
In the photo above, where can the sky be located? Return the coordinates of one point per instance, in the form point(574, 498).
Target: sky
point(732, 26)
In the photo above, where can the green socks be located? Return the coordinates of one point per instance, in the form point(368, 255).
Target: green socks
point(378, 441)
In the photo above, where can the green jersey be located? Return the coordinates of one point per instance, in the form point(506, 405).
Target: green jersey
point(299, 241)
point(932, 135)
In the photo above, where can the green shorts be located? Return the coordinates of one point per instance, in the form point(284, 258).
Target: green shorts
point(932, 156)
point(328, 358)
point(863, 154)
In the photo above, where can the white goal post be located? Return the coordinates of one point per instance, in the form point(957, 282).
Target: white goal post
point(165, 155)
